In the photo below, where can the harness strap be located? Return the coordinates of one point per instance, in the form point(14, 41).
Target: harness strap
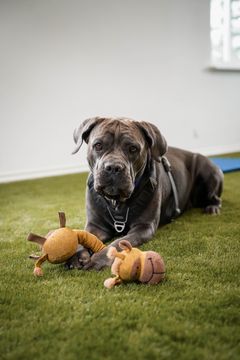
point(168, 169)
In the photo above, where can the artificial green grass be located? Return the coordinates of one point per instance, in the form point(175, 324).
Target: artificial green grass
point(68, 315)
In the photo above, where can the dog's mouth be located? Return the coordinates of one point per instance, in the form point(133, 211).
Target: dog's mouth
point(113, 194)
point(114, 200)
point(116, 197)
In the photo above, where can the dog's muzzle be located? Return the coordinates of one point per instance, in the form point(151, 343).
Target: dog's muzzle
point(113, 181)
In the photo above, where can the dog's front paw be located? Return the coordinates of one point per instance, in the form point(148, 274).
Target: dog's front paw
point(99, 261)
point(78, 260)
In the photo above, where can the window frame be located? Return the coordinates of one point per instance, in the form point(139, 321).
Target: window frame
point(228, 61)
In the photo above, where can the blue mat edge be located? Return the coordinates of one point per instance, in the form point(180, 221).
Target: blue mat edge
point(226, 164)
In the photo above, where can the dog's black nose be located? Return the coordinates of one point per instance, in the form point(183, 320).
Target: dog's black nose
point(113, 169)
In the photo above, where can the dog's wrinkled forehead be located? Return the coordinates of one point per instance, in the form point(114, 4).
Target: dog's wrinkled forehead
point(117, 131)
point(141, 132)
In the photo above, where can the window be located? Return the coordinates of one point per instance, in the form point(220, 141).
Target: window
point(225, 34)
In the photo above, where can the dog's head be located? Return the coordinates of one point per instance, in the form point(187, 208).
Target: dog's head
point(118, 150)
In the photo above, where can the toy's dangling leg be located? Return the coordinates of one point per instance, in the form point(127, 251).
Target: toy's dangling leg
point(37, 270)
point(36, 238)
point(89, 241)
point(62, 219)
point(111, 282)
point(34, 257)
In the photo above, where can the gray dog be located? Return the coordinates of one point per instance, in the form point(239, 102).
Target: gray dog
point(137, 183)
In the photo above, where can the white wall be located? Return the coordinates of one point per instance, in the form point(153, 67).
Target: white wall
point(63, 61)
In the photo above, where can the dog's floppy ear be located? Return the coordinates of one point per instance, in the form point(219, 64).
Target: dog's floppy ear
point(82, 133)
point(156, 141)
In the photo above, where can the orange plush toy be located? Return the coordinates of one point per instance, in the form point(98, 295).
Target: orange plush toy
point(132, 264)
point(59, 245)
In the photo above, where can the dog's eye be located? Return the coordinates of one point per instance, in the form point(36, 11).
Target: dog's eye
point(133, 149)
point(98, 146)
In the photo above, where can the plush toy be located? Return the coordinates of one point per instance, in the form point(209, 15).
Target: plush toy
point(132, 264)
point(59, 245)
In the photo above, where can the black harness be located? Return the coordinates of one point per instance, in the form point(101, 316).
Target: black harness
point(168, 169)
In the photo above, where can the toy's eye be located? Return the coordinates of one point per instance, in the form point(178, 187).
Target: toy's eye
point(98, 146)
point(133, 149)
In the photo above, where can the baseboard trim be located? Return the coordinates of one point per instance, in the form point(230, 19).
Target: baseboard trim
point(65, 170)
point(41, 173)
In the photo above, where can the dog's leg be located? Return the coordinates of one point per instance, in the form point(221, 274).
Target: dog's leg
point(102, 234)
point(208, 187)
point(214, 191)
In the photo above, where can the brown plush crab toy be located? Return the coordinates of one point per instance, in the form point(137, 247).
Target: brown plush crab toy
point(59, 245)
point(132, 264)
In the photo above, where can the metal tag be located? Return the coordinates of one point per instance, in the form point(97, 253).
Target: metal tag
point(119, 226)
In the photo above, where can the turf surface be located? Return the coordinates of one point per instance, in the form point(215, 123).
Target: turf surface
point(194, 314)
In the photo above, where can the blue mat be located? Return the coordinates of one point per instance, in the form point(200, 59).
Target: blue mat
point(226, 164)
